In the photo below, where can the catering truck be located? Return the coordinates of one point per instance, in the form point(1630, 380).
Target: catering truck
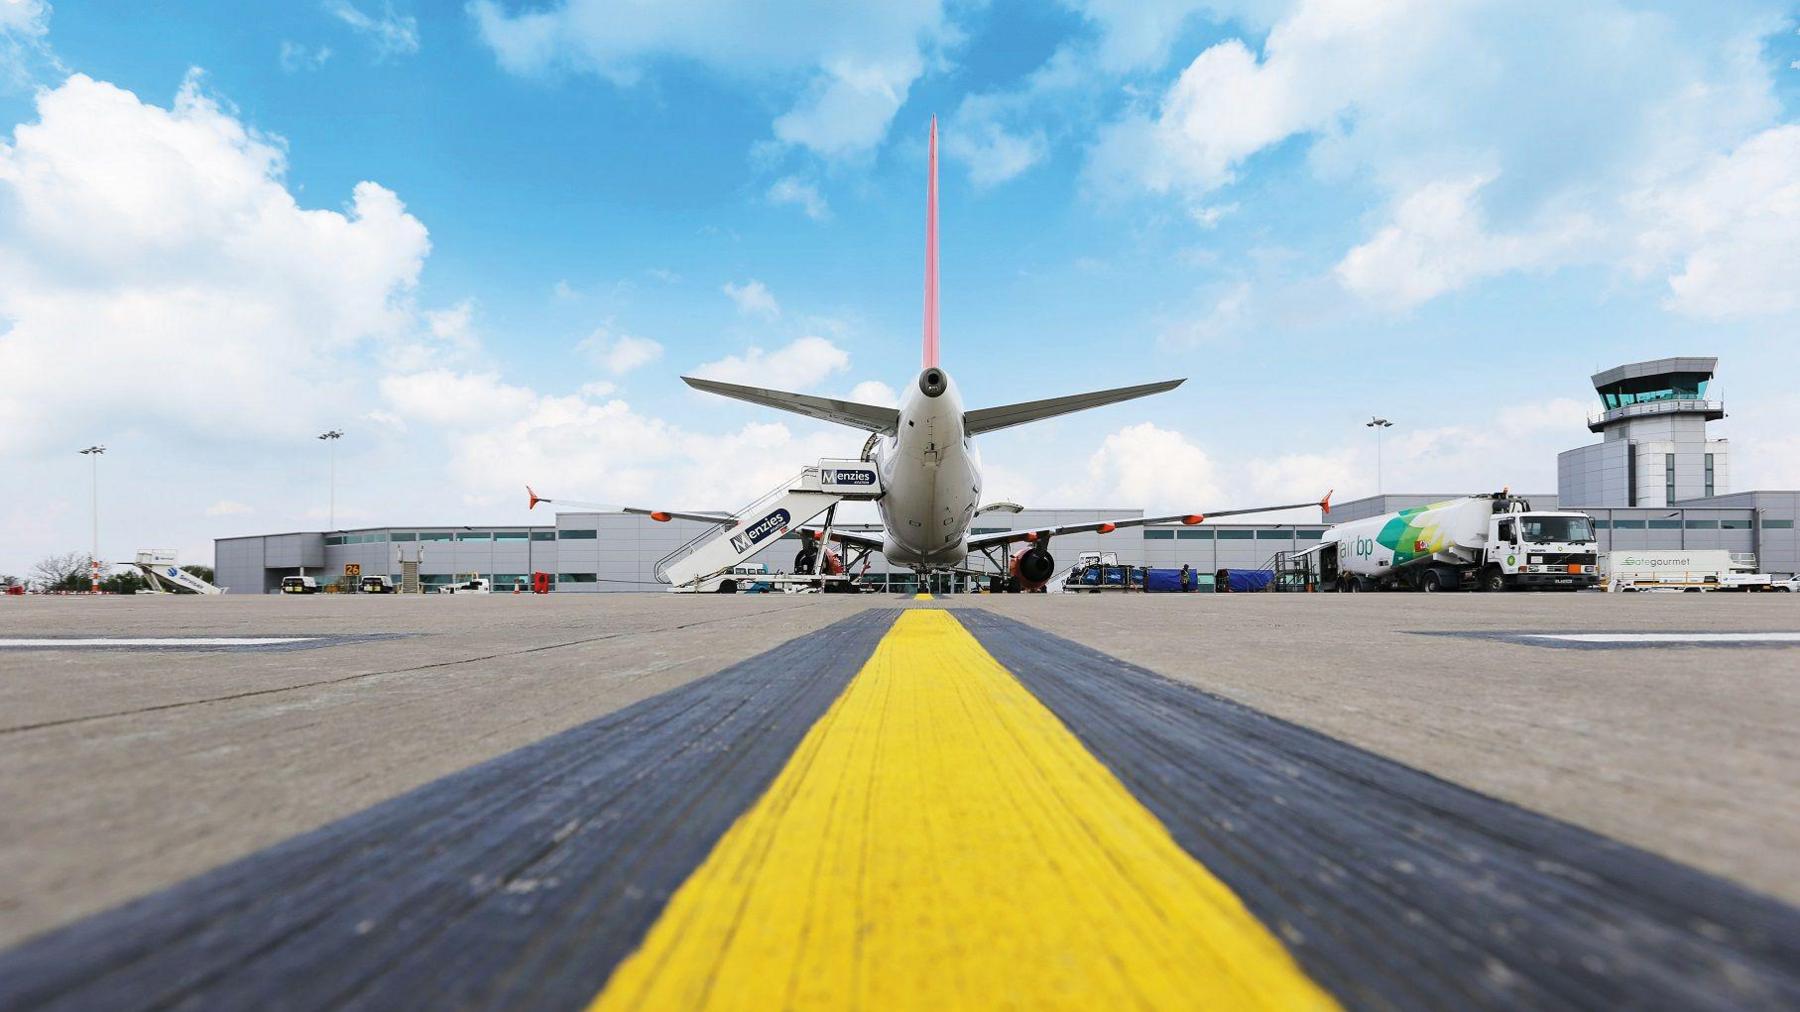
point(1479, 542)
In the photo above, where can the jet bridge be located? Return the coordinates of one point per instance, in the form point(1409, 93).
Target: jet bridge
point(704, 562)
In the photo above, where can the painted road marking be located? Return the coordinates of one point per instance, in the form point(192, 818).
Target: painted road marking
point(939, 839)
point(1393, 888)
point(105, 643)
point(517, 883)
point(1631, 640)
point(1650, 639)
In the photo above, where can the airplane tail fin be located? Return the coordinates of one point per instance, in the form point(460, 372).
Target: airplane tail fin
point(868, 417)
point(1007, 415)
point(931, 256)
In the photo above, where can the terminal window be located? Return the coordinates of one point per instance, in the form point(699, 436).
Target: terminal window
point(1734, 525)
point(1702, 525)
point(1709, 474)
point(576, 535)
point(475, 536)
point(1194, 535)
point(405, 537)
point(577, 578)
point(1236, 535)
point(434, 535)
point(1150, 535)
point(1668, 477)
point(1778, 525)
point(511, 535)
point(543, 535)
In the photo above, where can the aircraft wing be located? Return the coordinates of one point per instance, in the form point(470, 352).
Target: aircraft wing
point(869, 417)
point(1007, 415)
point(981, 541)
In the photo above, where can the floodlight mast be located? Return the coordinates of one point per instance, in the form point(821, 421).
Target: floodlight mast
point(331, 437)
point(93, 453)
point(1377, 423)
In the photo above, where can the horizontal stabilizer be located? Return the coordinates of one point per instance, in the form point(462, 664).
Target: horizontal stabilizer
point(869, 417)
point(1008, 415)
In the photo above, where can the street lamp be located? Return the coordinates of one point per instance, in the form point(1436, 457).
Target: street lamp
point(1377, 424)
point(331, 437)
point(93, 453)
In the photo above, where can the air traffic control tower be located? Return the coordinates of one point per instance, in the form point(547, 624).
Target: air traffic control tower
point(1654, 449)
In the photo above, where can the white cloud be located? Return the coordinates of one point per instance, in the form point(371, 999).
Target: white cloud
point(1147, 465)
point(1224, 315)
point(25, 17)
point(1500, 145)
point(140, 242)
point(1439, 241)
point(228, 508)
point(297, 57)
point(801, 364)
point(847, 68)
point(620, 353)
point(805, 195)
point(1730, 234)
point(585, 446)
point(391, 34)
point(993, 154)
point(874, 392)
point(752, 298)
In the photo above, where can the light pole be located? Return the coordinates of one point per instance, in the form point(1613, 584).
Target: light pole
point(93, 453)
point(1377, 424)
point(331, 437)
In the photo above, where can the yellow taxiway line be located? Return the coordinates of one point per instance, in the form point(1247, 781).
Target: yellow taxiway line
point(940, 840)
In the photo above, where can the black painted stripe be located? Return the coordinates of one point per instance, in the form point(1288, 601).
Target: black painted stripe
point(1396, 889)
point(520, 882)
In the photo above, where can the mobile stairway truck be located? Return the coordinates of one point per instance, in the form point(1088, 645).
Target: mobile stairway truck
point(1478, 542)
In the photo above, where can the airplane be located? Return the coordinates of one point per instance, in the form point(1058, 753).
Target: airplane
point(929, 468)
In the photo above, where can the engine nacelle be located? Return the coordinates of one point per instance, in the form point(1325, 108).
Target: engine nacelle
point(1033, 568)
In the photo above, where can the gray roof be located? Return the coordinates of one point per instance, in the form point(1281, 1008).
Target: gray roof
point(1654, 367)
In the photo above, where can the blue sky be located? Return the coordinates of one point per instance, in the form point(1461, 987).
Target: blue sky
point(485, 240)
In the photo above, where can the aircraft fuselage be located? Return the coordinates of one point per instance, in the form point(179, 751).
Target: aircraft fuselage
point(931, 475)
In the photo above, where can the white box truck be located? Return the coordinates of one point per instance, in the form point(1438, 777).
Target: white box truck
point(1694, 569)
point(1480, 542)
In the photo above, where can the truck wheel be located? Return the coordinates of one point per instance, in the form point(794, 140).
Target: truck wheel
point(1492, 579)
point(1354, 586)
point(728, 587)
point(1431, 581)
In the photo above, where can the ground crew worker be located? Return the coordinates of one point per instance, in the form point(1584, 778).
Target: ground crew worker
point(1185, 578)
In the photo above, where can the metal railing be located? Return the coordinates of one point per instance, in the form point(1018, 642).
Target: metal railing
point(693, 544)
point(1665, 406)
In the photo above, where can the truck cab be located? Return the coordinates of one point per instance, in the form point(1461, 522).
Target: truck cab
point(1539, 549)
point(299, 585)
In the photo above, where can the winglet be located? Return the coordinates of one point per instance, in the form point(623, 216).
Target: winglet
point(931, 256)
point(535, 499)
point(1325, 503)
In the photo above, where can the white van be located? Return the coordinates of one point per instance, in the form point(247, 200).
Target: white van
point(299, 585)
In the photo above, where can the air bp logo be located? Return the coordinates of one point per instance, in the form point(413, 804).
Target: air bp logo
point(775, 523)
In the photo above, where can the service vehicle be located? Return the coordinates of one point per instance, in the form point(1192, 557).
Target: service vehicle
point(299, 585)
point(377, 584)
point(477, 586)
point(1696, 569)
point(1479, 542)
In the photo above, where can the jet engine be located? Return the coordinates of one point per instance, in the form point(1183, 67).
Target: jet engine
point(1032, 568)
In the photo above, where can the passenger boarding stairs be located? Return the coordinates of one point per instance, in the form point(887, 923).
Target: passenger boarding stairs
point(701, 562)
point(163, 576)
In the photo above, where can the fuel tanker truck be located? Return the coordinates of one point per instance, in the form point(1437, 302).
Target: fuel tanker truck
point(1478, 542)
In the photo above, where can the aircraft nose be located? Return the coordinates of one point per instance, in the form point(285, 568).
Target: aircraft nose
point(932, 382)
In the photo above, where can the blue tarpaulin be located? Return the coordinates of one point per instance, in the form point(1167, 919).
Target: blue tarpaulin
point(1244, 581)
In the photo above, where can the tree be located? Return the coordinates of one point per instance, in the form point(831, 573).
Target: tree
point(203, 572)
point(128, 582)
point(67, 571)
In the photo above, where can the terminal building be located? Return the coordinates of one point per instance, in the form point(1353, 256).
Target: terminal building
point(1656, 480)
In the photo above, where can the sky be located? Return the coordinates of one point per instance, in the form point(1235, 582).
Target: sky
point(485, 240)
